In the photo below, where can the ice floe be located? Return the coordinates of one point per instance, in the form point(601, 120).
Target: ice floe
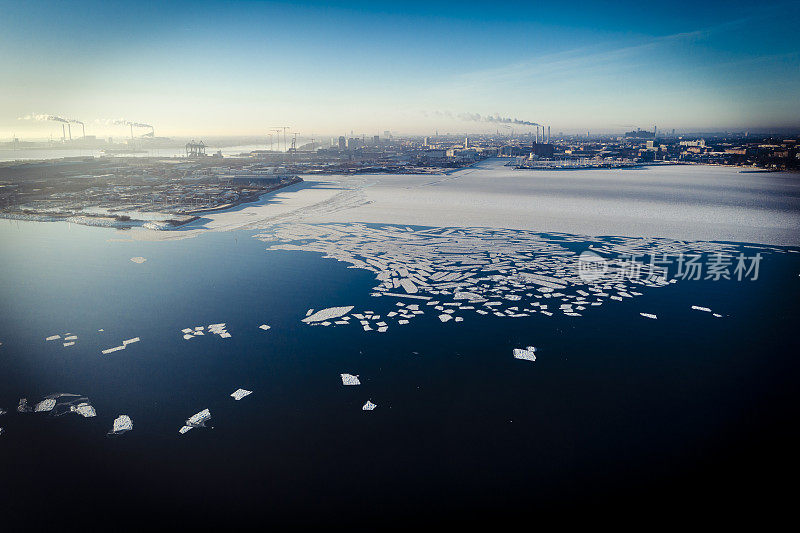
point(138, 260)
point(649, 315)
point(327, 314)
point(196, 421)
point(125, 344)
point(369, 406)
point(527, 354)
point(350, 379)
point(698, 308)
point(122, 424)
point(238, 394)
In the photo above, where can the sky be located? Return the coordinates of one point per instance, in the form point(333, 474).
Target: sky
point(332, 68)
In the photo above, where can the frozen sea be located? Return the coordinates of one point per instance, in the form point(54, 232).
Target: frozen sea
point(680, 414)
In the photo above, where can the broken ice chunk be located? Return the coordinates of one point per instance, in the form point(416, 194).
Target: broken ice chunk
point(444, 317)
point(71, 343)
point(195, 421)
point(84, 409)
point(45, 405)
point(53, 337)
point(649, 315)
point(369, 406)
point(698, 308)
point(327, 314)
point(350, 379)
point(138, 260)
point(264, 327)
point(527, 354)
point(122, 424)
point(130, 341)
point(114, 349)
point(238, 394)
point(71, 338)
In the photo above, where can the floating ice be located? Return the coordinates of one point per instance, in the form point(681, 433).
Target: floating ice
point(369, 406)
point(195, 421)
point(122, 424)
point(53, 337)
point(72, 343)
point(698, 308)
point(138, 260)
point(84, 409)
point(45, 405)
point(327, 314)
point(264, 327)
point(649, 315)
point(130, 341)
point(479, 264)
point(112, 350)
point(238, 394)
point(528, 354)
point(59, 404)
point(350, 379)
point(444, 317)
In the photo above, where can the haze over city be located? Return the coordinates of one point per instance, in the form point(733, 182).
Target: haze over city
point(201, 68)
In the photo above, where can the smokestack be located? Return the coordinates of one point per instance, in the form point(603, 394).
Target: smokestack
point(131, 131)
point(63, 133)
point(69, 129)
point(83, 127)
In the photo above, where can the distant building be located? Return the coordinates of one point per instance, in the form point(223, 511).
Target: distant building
point(342, 143)
point(640, 134)
point(542, 150)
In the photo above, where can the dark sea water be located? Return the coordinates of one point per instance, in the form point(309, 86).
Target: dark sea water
point(618, 415)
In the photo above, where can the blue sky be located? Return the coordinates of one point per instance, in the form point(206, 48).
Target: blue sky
point(200, 68)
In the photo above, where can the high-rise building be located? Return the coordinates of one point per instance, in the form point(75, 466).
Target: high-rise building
point(342, 144)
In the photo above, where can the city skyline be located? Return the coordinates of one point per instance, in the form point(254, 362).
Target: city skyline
point(197, 68)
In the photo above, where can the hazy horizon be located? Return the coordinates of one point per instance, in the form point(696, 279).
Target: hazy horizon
point(201, 69)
